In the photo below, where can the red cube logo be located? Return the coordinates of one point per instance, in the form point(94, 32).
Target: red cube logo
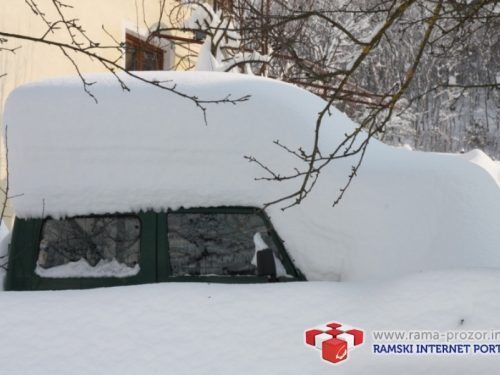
point(358, 336)
point(334, 350)
point(311, 336)
point(334, 332)
point(334, 340)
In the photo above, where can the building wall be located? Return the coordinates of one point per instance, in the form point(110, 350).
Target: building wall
point(105, 22)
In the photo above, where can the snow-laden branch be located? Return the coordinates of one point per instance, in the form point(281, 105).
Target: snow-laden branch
point(221, 51)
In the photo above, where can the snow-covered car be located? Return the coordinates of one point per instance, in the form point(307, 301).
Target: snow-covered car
point(138, 189)
point(229, 243)
point(426, 224)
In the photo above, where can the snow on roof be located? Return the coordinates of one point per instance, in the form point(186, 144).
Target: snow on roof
point(150, 149)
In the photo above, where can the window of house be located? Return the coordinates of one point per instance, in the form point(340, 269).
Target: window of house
point(221, 244)
point(140, 55)
point(100, 246)
point(225, 5)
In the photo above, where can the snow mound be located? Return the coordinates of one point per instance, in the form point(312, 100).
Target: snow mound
point(406, 212)
point(484, 161)
point(81, 268)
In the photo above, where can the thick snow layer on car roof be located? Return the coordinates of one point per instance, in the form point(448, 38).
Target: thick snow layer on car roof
point(150, 149)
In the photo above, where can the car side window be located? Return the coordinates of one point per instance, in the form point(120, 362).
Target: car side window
point(93, 246)
point(219, 244)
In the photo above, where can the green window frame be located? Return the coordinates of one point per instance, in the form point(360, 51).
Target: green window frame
point(154, 261)
point(25, 253)
point(165, 275)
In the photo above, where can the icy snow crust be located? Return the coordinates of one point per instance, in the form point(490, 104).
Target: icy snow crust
point(406, 212)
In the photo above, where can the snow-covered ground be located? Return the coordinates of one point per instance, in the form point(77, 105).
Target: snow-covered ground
point(244, 329)
point(415, 240)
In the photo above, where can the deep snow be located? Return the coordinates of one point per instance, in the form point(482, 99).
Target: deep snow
point(406, 212)
point(243, 329)
point(408, 218)
point(480, 158)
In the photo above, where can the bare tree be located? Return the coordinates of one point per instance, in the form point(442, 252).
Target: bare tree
point(70, 37)
point(378, 60)
point(388, 63)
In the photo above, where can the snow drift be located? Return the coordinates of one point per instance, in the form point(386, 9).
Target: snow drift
point(145, 149)
point(194, 328)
